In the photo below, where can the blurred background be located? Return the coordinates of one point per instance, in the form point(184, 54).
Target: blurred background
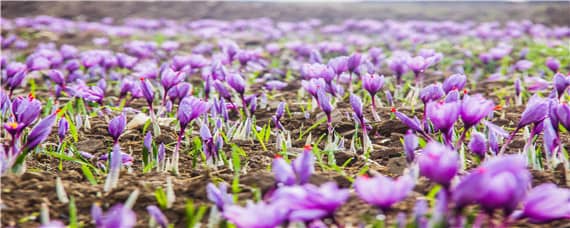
point(552, 13)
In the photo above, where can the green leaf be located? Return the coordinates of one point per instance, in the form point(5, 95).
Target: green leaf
point(161, 199)
point(88, 174)
point(72, 213)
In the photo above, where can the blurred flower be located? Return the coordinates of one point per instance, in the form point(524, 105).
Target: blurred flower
point(431, 92)
point(547, 202)
point(438, 163)
point(382, 191)
point(308, 202)
point(523, 65)
point(157, 215)
point(410, 145)
point(63, 127)
point(219, 195)
point(39, 132)
point(478, 144)
point(259, 215)
point(454, 82)
point(552, 64)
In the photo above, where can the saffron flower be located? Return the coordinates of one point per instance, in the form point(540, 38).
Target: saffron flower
point(561, 83)
point(63, 127)
point(499, 183)
point(278, 114)
point(308, 202)
point(324, 101)
point(474, 109)
point(430, 93)
point(478, 144)
point(373, 84)
point(454, 82)
point(157, 215)
point(383, 192)
point(117, 216)
point(552, 64)
point(219, 195)
point(398, 65)
point(300, 170)
point(258, 215)
point(546, 203)
point(40, 132)
point(117, 126)
point(439, 163)
point(410, 145)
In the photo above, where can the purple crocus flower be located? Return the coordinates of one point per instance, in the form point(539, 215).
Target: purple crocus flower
point(552, 64)
point(356, 104)
point(410, 145)
point(534, 84)
point(179, 91)
point(118, 216)
point(237, 83)
point(417, 65)
point(157, 215)
point(147, 91)
point(439, 163)
point(398, 65)
point(454, 82)
point(382, 191)
point(324, 101)
point(443, 116)
point(299, 171)
point(40, 132)
point(413, 124)
point(561, 83)
point(56, 76)
point(259, 215)
point(278, 114)
point(547, 202)
point(282, 171)
point(304, 165)
point(117, 126)
point(474, 108)
point(169, 79)
point(339, 64)
point(207, 142)
point(191, 108)
point(16, 80)
point(353, 62)
point(308, 202)
point(26, 110)
point(499, 183)
point(551, 138)
point(431, 92)
point(275, 85)
point(219, 195)
point(523, 65)
point(478, 144)
point(372, 83)
point(563, 115)
point(63, 127)
point(147, 141)
point(534, 111)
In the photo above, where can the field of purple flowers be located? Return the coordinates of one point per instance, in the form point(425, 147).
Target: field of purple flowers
point(263, 123)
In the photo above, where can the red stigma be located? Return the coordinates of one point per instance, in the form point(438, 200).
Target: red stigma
point(277, 156)
point(481, 170)
point(31, 96)
point(393, 109)
point(308, 147)
point(365, 176)
point(465, 91)
point(498, 108)
point(141, 78)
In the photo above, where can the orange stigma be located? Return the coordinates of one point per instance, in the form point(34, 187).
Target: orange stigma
point(498, 108)
point(13, 125)
point(31, 96)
